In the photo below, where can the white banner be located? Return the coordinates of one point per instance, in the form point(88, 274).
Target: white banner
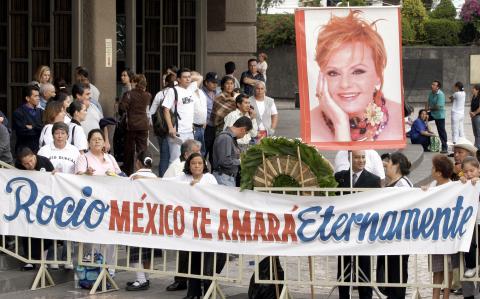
point(165, 214)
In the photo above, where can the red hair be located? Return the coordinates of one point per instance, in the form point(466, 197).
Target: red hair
point(350, 29)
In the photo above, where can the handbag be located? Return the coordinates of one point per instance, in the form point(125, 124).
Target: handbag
point(435, 144)
point(160, 126)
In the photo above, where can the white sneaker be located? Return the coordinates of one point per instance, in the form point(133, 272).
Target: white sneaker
point(68, 266)
point(111, 272)
point(469, 273)
point(53, 266)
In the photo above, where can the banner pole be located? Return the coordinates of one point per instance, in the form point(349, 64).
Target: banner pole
point(351, 169)
point(310, 264)
point(275, 272)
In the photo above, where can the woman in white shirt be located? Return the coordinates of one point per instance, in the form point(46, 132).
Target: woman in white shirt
point(442, 171)
point(458, 111)
point(62, 154)
point(76, 136)
point(397, 167)
point(54, 112)
point(143, 166)
point(196, 172)
point(262, 65)
point(266, 111)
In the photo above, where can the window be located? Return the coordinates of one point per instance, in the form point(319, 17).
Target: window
point(33, 33)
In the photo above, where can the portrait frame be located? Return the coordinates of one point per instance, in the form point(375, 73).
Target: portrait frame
point(387, 22)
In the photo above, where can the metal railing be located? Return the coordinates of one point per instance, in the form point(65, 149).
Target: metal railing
point(198, 265)
point(298, 272)
point(323, 271)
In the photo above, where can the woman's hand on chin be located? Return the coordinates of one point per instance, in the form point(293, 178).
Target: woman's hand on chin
point(338, 118)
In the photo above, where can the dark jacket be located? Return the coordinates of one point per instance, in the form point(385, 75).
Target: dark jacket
point(43, 164)
point(366, 180)
point(27, 137)
point(135, 103)
point(226, 153)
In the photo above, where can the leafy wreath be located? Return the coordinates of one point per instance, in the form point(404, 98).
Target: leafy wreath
point(282, 167)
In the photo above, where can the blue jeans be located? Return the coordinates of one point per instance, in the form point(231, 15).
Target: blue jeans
point(198, 134)
point(164, 155)
point(423, 140)
point(224, 179)
point(476, 130)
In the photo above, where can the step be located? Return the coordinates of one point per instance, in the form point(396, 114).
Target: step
point(422, 175)
point(7, 262)
point(17, 280)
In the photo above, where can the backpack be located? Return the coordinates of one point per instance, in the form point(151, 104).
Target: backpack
point(160, 127)
point(88, 275)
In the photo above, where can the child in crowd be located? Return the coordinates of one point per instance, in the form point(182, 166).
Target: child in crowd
point(143, 165)
point(471, 171)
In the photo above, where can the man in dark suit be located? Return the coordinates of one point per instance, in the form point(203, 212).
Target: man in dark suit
point(361, 179)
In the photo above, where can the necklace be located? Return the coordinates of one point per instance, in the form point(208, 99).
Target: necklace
point(369, 127)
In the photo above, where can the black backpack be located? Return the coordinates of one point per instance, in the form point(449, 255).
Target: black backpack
point(264, 290)
point(160, 127)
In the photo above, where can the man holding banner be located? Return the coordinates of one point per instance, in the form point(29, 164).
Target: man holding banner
point(361, 178)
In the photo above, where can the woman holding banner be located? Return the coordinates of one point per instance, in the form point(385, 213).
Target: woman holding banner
point(196, 172)
point(442, 171)
point(352, 58)
point(97, 162)
point(397, 167)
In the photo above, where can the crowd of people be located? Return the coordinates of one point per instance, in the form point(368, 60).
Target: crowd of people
point(435, 110)
point(61, 128)
point(370, 170)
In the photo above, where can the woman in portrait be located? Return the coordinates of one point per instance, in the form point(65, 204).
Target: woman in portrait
point(352, 58)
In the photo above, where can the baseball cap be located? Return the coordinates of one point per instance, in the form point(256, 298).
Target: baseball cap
point(211, 77)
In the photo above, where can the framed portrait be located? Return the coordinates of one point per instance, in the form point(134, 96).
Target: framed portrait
point(350, 77)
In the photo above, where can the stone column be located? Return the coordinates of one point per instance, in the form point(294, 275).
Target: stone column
point(99, 28)
point(131, 51)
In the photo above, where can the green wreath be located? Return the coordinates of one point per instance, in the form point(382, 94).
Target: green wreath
point(282, 167)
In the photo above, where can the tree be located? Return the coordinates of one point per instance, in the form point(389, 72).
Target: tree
point(415, 12)
point(471, 13)
point(444, 10)
point(264, 5)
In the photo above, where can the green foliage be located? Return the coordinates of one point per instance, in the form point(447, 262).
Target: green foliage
point(284, 180)
point(415, 12)
point(264, 5)
point(282, 147)
point(345, 3)
point(275, 30)
point(442, 32)
point(468, 34)
point(444, 10)
point(408, 34)
point(313, 3)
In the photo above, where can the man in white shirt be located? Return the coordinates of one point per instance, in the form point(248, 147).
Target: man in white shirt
point(81, 92)
point(184, 104)
point(81, 76)
point(373, 163)
point(189, 147)
point(243, 109)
